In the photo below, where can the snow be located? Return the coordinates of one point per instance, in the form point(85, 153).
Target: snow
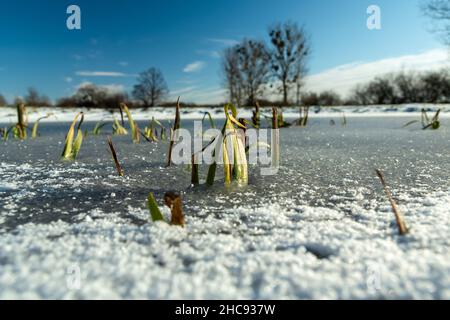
point(9, 115)
point(77, 231)
point(270, 252)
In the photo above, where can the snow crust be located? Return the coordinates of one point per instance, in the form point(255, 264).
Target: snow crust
point(268, 252)
point(9, 115)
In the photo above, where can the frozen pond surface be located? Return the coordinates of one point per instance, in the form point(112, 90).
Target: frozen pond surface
point(321, 228)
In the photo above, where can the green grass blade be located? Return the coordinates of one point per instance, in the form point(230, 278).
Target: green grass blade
point(211, 120)
point(133, 126)
point(155, 213)
point(98, 128)
point(72, 148)
point(118, 129)
point(77, 144)
point(211, 173)
point(36, 125)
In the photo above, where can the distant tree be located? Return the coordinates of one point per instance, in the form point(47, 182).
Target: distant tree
point(232, 76)
point(301, 70)
point(435, 87)
point(429, 87)
point(407, 87)
point(325, 98)
point(92, 96)
point(66, 102)
point(358, 96)
point(252, 67)
point(310, 99)
point(329, 98)
point(114, 99)
point(439, 12)
point(151, 87)
point(381, 91)
point(33, 98)
point(2, 101)
point(288, 55)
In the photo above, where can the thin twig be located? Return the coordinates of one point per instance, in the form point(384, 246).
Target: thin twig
point(114, 155)
point(402, 229)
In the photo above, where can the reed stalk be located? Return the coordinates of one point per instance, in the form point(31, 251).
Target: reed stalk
point(176, 126)
point(34, 131)
point(402, 229)
point(133, 125)
point(114, 156)
point(71, 146)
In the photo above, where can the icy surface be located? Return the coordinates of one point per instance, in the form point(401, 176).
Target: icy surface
point(9, 114)
point(322, 228)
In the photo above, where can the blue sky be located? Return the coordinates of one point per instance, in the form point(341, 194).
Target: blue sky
point(184, 39)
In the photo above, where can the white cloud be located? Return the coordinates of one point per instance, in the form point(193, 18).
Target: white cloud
point(113, 88)
point(200, 95)
point(194, 66)
point(209, 53)
point(68, 79)
point(101, 74)
point(342, 79)
point(123, 63)
point(223, 42)
point(178, 92)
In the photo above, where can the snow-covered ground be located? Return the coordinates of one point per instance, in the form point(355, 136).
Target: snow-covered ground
point(321, 229)
point(276, 253)
point(9, 115)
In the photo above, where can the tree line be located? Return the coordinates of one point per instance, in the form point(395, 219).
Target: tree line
point(394, 88)
point(425, 87)
point(150, 90)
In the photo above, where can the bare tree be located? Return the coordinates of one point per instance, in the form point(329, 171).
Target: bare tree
point(233, 81)
point(252, 69)
point(151, 87)
point(33, 98)
point(2, 101)
point(300, 71)
point(290, 49)
point(439, 11)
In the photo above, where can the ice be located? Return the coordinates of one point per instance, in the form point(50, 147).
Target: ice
point(290, 259)
point(321, 228)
